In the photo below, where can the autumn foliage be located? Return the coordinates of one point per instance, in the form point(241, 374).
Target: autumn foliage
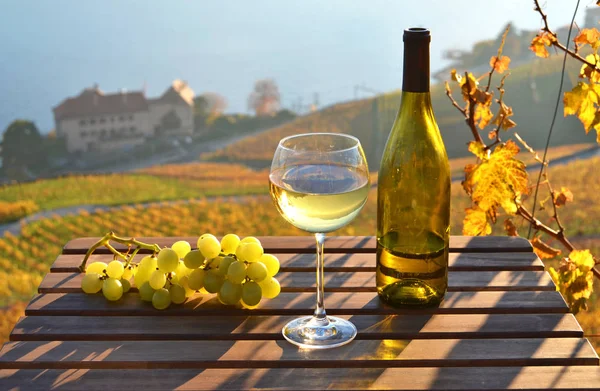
point(498, 184)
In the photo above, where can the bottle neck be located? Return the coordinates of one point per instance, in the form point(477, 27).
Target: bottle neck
point(415, 74)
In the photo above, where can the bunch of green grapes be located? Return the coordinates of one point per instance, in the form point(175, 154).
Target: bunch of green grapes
point(236, 270)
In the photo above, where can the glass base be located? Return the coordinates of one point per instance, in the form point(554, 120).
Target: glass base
point(313, 333)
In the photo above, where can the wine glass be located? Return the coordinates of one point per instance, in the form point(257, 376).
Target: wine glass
point(319, 182)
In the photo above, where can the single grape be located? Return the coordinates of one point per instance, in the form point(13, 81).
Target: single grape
point(112, 289)
point(236, 272)
point(96, 267)
point(270, 287)
point(224, 265)
point(215, 263)
point(91, 283)
point(230, 293)
point(146, 291)
point(252, 252)
point(239, 251)
point(251, 294)
point(173, 278)
point(149, 261)
point(250, 239)
point(229, 243)
point(126, 285)
point(209, 246)
point(182, 270)
point(272, 264)
point(115, 270)
point(213, 282)
point(184, 282)
point(157, 279)
point(142, 275)
point(196, 279)
point(161, 299)
point(194, 259)
point(168, 260)
point(181, 248)
point(128, 272)
point(257, 271)
point(177, 293)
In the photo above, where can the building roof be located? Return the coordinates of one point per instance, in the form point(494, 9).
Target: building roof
point(92, 101)
point(178, 92)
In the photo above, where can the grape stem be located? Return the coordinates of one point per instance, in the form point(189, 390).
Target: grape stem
point(105, 241)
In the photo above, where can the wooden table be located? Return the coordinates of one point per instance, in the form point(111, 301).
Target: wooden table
point(502, 325)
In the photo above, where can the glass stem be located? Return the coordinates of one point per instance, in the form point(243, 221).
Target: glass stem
point(320, 314)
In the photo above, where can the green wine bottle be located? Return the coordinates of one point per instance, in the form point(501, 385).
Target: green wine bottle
point(413, 192)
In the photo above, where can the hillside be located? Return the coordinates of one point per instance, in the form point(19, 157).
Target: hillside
point(530, 90)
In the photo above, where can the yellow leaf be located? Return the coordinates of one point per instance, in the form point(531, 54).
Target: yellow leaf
point(477, 149)
point(498, 180)
point(483, 114)
point(588, 37)
point(581, 101)
point(454, 76)
point(539, 43)
point(468, 86)
point(510, 228)
point(543, 250)
point(589, 72)
point(500, 64)
point(475, 223)
point(583, 259)
point(563, 197)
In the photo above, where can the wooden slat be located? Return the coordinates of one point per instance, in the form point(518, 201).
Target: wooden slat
point(310, 379)
point(356, 282)
point(344, 303)
point(334, 244)
point(281, 354)
point(121, 328)
point(336, 262)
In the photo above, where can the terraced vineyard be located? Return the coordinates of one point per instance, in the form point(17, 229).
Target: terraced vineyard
point(153, 184)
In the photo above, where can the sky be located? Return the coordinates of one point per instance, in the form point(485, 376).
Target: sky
point(53, 49)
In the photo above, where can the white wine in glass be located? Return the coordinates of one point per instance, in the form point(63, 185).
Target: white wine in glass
point(319, 182)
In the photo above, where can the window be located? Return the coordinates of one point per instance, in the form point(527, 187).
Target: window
point(82, 122)
point(102, 120)
point(113, 132)
point(132, 129)
point(84, 133)
point(112, 119)
point(93, 121)
point(121, 118)
point(131, 117)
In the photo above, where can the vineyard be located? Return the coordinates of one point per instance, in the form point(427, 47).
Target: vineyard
point(26, 258)
point(153, 184)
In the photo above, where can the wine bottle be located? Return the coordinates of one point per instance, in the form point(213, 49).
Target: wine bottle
point(413, 192)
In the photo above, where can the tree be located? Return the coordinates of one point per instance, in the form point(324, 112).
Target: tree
point(209, 103)
point(22, 149)
point(265, 99)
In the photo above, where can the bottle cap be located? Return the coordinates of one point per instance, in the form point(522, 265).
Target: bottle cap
point(417, 34)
